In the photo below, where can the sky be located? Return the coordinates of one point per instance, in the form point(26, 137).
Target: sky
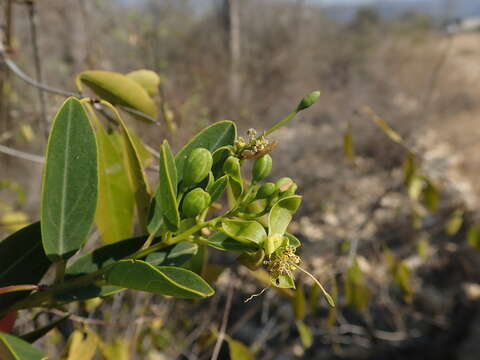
point(333, 2)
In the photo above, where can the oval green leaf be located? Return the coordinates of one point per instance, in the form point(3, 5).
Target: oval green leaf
point(239, 351)
point(221, 241)
point(292, 240)
point(116, 200)
point(175, 255)
point(218, 188)
point(245, 231)
point(70, 182)
point(119, 89)
point(23, 261)
point(13, 348)
point(162, 280)
point(281, 214)
point(167, 191)
point(136, 173)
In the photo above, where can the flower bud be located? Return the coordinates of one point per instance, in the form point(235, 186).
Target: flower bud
point(195, 202)
point(266, 190)
point(291, 190)
point(231, 167)
point(283, 184)
point(261, 168)
point(308, 100)
point(197, 166)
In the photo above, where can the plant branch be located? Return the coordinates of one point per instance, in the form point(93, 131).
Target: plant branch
point(223, 326)
point(21, 154)
point(13, 67)
point(32, 17)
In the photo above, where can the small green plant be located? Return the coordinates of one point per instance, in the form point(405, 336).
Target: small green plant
point(94, 175)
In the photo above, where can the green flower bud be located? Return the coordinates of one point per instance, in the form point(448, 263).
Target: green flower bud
point(261, 168)
point(266, 190)
point(291, 190)
point(197, 166)
point(231, 167)
point(283, 184)
point(195, 202)
point(308, 100)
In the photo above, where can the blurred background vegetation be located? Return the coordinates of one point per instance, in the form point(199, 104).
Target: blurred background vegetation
point(389, 226)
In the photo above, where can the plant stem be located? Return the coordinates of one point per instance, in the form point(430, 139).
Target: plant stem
point(325, 293)
point(149, 240)
point(281, 123)
point(60, 271)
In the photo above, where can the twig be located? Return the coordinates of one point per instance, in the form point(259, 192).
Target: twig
point(12, 66)
point(223, 327)
point(85, 320)
point(32, 17)
point(373, 207)
point(152, 151)
point(138, 113)
point(21, 154)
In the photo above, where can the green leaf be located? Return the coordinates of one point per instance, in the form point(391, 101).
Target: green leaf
point(119, 89)
point(314, 298)
point(299, 303)
point(136, 173)
point(70, 182)
point(82, 345)
point(116, 200)
point(415, 187)
point(348, 149)
point(423, 248)
point(23, 261)
point(454, 223)
point(167, 191)
point(431, 195)
point(38, 333)
point(281, 214)
point(13, 348)
point(103, 256)
point(402, 278)
point(174, 255)
point(223, 242)
point(473, 236)
point(410, 168)
point(99, 258)
point(284, 282)
point(383, 125)
point(292, 240)
point(245, 231)
point(238, 351)
point(275, 242)
point(162, 280)
point(219, 134)
point(356, 292)
point(306, 336)
point(218, 188)
point(148, 79)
